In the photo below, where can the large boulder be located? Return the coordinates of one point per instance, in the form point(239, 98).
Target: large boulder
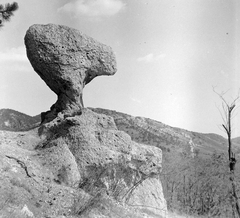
point(67, 60)
point(108, 160)
point(80, 166)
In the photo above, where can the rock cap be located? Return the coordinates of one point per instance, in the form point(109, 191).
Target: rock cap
point(67, 60)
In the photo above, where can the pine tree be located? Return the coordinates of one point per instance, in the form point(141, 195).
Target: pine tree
point(7, 11)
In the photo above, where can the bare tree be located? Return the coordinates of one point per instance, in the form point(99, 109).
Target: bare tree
point(7, 11)
point(227, 115)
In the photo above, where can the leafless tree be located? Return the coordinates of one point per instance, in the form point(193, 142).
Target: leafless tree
point(227, 116)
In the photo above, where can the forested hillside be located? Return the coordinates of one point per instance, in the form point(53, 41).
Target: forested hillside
point(12, 120)
point(195, 173)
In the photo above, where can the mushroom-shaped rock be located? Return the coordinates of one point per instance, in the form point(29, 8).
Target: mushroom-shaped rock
point(67, 60)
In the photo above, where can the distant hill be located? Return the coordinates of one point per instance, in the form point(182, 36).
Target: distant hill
point(236, 140)
point(142, 130)
point(12, 120)
point(148, 131)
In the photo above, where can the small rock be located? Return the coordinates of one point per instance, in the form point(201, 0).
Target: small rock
point(25, 211)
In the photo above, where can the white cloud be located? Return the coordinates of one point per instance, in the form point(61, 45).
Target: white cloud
point(14, 55)
point(14, 59)
point(93, 8)
point(151, 58)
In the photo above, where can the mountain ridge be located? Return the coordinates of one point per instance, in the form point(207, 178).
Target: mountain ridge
point(152, 132)
point(13, 120)
point(142, 130)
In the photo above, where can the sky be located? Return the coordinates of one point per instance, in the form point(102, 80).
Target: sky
point(170, 54)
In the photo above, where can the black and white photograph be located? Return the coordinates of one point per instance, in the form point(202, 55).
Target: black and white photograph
point(120, 109)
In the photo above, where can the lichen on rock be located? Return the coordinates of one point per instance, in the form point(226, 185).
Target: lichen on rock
point(67, 60)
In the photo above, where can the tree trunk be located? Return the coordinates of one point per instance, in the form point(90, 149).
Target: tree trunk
point(232, 162)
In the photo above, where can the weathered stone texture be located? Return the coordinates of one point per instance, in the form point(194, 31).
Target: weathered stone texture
point(76, 165)
point(68, 162)
point(67, 60)
point(109, 160)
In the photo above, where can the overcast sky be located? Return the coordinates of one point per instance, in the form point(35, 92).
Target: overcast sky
point(169, 53)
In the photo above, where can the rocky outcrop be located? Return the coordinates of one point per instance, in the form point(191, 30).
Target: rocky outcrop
point(67, 60)
point(109, 160)
point(79, 165)
point(27, 186)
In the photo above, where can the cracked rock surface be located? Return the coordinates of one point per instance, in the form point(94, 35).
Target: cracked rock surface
point(67, 60)
point(81, 163)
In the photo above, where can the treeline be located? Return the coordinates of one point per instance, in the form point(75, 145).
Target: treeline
point(199, 186)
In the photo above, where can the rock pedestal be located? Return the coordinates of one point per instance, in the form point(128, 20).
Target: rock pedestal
point(67, 60)
point(80, 161)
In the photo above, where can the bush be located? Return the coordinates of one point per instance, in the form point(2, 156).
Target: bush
point(198, 186)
